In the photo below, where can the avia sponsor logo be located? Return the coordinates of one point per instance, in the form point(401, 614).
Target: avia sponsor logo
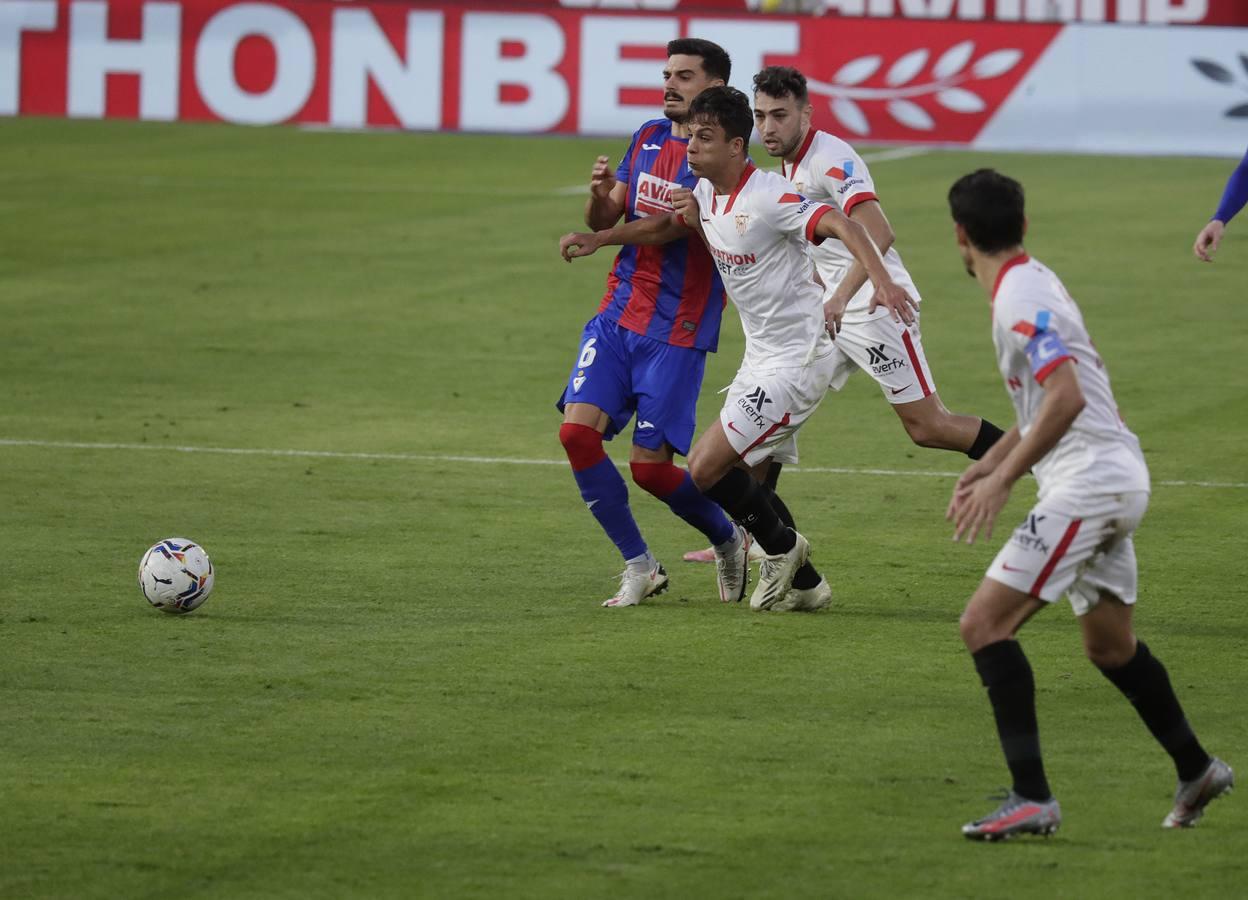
point(654, 195)
point(880, 361)
point(845, 170)
point(1027, 536)
point(849, 183)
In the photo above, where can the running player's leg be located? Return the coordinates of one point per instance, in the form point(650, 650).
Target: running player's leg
point(1104, 597)
point(596, 404)
point(893, 355)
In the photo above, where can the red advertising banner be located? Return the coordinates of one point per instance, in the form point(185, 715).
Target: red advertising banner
point(428, 67)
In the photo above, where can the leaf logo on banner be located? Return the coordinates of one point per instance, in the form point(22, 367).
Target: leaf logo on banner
point(1222, 75)
point(946, 84)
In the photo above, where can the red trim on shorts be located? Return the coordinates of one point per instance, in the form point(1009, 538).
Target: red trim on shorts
point(1051, 367)
point(858, 198)
point(1071, 530)
point(766, 434)
point(914, 361)
point(813, 222)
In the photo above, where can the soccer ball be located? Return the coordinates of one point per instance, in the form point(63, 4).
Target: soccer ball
point(175, 575)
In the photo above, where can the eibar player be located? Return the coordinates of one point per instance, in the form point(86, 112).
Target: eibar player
point(644, 352)
point(1234, 196)
point(1077, 539)
point(757, 229)
point(825, 168)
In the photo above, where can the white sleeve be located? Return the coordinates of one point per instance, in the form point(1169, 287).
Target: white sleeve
point(1032, 328)
point(844, 175)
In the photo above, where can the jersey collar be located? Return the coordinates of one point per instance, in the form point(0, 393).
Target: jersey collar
point(732, 198)
point(1016, 261)
point(801, 154)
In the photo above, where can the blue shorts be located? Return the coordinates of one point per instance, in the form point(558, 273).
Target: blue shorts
point(622, 373)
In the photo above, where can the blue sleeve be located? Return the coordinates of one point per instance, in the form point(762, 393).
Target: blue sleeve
point(1236, 193)
point(623, 172)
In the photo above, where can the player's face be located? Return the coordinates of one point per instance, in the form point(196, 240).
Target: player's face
point(964, 249)
point(683, 79)
point(780, 123)
point(710, 151)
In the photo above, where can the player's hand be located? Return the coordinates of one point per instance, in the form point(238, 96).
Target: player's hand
point(579, 243)
point(601, 179)
point(974, 472)
point(686, 206)
point(833, 311)
point(1208, 240)
point(892, 296)
point(978, 511)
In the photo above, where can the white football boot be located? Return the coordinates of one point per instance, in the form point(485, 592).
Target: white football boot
point(1191, 797)
point(708, 555)
point(806, 600)
point(732, 570)
point(638, 584)
point(775, 574)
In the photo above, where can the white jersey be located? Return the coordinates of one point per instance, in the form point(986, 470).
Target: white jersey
point(757, 236)
point(828, 170)
point(1036, 326)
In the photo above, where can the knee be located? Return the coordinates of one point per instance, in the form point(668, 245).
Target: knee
point(1109, 653)
point(659, 478)
point(704, 474)
point(583, 445)
point(924, 433)
point(978, 632)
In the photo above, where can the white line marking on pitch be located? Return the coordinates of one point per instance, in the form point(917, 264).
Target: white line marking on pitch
point(492, 460)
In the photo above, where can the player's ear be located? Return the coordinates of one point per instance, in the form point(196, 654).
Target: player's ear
point(1026, 222)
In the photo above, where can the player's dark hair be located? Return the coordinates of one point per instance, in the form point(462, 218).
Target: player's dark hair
point(724, 106)
point(989, 206)
point(715, 59)
point(780, 82)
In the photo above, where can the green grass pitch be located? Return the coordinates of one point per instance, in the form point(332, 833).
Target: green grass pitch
point(404, 685)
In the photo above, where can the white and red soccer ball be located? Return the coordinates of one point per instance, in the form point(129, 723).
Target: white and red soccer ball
point(175, 575)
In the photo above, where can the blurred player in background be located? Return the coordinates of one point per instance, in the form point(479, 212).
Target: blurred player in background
point(1233, 199)
point(825, 168)
point(1077, 539)
point(644, 353)
point(757, 229)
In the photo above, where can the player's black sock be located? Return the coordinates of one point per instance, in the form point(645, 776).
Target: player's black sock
point(1145, 683)
point(779, 506)
point(988, 435)
point(1005, 672)
point(772, 478)
point(747, 501)
point(807, 576)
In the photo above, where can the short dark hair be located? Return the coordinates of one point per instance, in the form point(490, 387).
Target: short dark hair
point(715, 59)
point(727, 107)
point(781, 82)
point(989, 206)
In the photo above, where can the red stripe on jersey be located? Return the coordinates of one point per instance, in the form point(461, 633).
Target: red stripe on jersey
point(1071, 530)
point(791, 198)
point(801, 155)
point(646, 282)
point(813, 222)
point(859, 198)
point(732, 198)
point(1016, 261)
point(694, 293)
point(914, 361)
point(1051, 367)
point(766, 434)
point(641, 139)
point(1025, 328)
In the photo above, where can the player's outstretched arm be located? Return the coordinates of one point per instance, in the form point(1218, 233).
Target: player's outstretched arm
point(836, 224)
point(870, 215)
point(1234, 198)
point(649, 230)
point(983, 500)
point(1208, 241)
point(607, 196)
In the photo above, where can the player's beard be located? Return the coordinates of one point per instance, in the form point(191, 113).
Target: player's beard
point(677, 118)
point(790, 149)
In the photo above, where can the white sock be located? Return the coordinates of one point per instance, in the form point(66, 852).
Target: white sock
point(644, 563)
point(730, 546)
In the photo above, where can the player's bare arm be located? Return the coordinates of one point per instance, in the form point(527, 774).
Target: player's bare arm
point(871, 216)
point(648, 230)
point(607, 196)
point(888, 293)
point(983, 500)
point(981, 468)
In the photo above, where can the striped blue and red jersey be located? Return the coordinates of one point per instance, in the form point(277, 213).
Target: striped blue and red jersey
point(668, 292)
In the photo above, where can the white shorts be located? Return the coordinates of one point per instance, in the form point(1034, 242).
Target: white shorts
point(888, 351)
point(1074, 547)
point(763, 411)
